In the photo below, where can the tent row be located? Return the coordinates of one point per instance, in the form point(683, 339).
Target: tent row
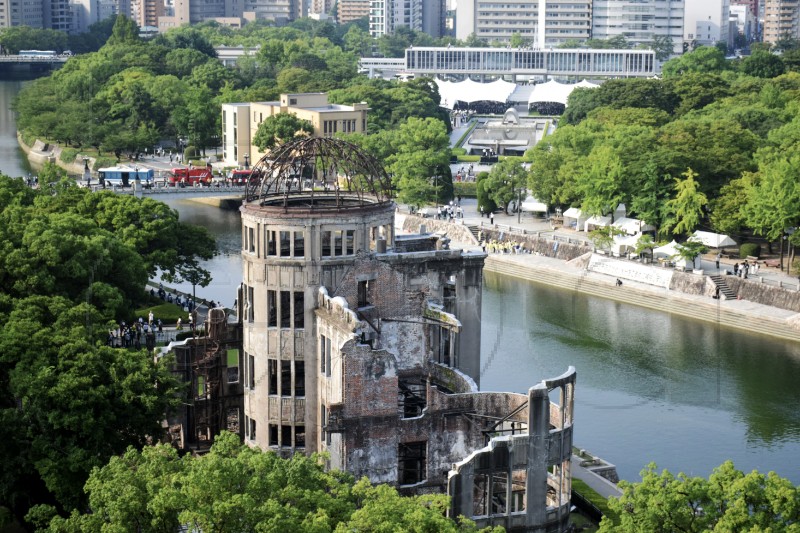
point(469, 91)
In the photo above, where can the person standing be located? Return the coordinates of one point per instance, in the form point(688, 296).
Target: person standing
point(491, 219)
point(719, 256)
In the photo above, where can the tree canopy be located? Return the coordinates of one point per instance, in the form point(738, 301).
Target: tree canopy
point(729, 500)
point(73, 264)
point(238, 488)
point(281, 128)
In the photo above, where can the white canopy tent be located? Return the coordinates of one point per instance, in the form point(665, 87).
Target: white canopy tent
point(553, 91)
point(596, 222)
point(668, 251)
point(532, 205)
point(624, 244)
point(469, 91)
point(713, 240)
point(573, 213)
point(632, 226)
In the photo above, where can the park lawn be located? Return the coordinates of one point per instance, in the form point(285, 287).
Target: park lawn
point(167, 312)
point(587, 492)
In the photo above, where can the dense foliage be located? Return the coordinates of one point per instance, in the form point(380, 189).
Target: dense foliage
point(710, 146)
point(238, 488)
point(729, 500)
point(74, 263)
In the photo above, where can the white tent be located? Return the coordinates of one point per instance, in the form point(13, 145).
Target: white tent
point(713, 240)
point(573, 213)
point(596, 222)
point(632, 226)
point(469, 91)
point(624, 244)
point(532, 205)
point(552, 91)
point(668, 251)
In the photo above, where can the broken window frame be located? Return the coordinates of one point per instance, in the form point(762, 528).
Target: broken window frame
point(412, 463)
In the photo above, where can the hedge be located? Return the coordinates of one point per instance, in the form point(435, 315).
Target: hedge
point(103, 162)
point(749, 248)
point(68, 155)
point(469, 158)
point(467, 189)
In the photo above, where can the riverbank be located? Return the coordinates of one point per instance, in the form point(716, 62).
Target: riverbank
point(566, 262)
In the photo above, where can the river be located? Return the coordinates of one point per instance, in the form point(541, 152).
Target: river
point(651, 386)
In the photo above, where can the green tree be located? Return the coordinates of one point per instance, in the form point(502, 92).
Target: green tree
point(691, 249)
point(663, 46)
point(602, 185)
point(506, 182)
point(685, 210)
point(125, 32)
point(703, 59)
point(281, 128)
point(238, 488)
point(485, 203)
point(420, 163)
point(729, 500)
point(772, 199)
point(763, 64)
point(518, 41)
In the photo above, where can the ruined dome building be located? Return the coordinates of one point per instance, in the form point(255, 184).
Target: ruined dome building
point(366, 345)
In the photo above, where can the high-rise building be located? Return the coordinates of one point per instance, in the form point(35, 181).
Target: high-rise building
point(707, 22)
point(639, 21)
point(746, 22)
point(541, 22)
point(781, 18)
point(420, 15)
point(21, 13)
point(57, 15)
point(350, 10)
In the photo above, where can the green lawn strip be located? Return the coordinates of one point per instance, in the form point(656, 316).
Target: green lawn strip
point(587, 492)
point(167, 312)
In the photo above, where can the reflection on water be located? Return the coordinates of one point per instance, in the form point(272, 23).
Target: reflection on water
point(651, 386)
point(12, 160)
point(226, 266)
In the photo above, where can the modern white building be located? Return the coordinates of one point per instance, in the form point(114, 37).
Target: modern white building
point(640, 21)
point(420, 15)
point(707, 23)
point(541, 22)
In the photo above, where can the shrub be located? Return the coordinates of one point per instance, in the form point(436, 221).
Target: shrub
point(68, 155)
point(103, 162)
point(484, 200)
point(189, 153)
point(458, 151)
point(749, 248)
point(468, 189)
point(28, 138)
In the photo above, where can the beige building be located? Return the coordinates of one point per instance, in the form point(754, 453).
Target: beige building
point(350, 10)
point(781, 17)
point(240, 121)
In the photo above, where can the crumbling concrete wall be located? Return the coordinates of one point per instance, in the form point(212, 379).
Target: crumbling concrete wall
point(456, 232)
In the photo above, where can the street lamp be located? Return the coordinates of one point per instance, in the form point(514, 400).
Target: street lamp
point(87, 174)
point(246, 161)
point(519, 204)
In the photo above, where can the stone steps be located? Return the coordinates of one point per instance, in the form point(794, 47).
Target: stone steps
point(711, 312)
point(719, 281)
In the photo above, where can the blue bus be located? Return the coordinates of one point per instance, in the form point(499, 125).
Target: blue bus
point(125, 176)
point(38, 53)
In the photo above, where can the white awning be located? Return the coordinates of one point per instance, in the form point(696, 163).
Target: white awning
point(667, 251)
point(572, 212)
point(597, 221)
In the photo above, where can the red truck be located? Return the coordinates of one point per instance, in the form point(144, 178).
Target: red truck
point(240, 177)
point(185, 177)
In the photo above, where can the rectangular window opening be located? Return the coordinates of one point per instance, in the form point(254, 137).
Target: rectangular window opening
point(412, 462)
point(300, 437)
point(232, 364)
point(251, 372)
point(272, 242)
point(286, 309)
point(273, 435)
point(337, 242)
point(412, 397)
point(285, 243)
point(299, 244)
point(363, 293)
point(299, 378)
point(272, 377)
point(286, 378)
point(299, 310)
point(286, 435)
point(272, 309)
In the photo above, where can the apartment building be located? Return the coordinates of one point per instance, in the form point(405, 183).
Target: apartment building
point(428, 16)
point(640, 21)
point(542, 23)
point(781, 17)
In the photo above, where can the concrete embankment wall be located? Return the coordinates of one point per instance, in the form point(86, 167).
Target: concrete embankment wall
point(41, 153)
point(753, 291)
point(663, 300)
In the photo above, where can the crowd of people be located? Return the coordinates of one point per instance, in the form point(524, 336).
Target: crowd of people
point(745, 269)
point(137, 334)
